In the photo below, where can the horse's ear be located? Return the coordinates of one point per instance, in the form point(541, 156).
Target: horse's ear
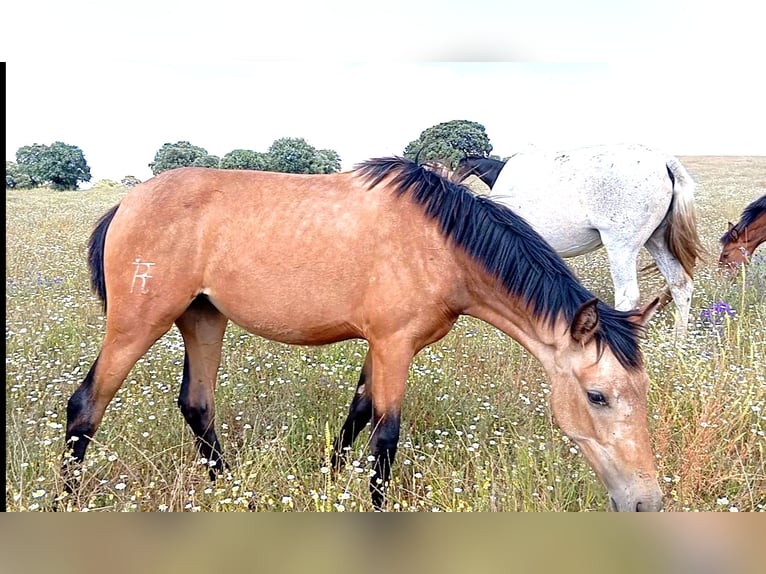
point(732, 232)
point(645, 313)
point(585, 322)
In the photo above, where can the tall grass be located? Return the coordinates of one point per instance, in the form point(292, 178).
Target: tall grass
point(477, 434)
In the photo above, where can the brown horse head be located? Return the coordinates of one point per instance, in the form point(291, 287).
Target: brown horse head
point(733, 250)
point(597, 402)
point(741, 239)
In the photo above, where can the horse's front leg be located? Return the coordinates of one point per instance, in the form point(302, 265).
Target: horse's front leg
point(390, 363)
point(622, 266)
point(359, 414)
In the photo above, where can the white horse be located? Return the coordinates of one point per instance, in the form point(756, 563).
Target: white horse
point(620, 196)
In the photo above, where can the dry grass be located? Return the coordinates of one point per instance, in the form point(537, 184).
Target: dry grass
point(476, 433)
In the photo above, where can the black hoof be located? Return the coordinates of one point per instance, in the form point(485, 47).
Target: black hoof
point(218, 467)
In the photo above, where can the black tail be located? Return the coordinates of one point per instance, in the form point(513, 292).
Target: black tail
point(96, 254)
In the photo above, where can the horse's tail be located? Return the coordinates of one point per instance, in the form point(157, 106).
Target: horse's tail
point(96, 254)
point(681, 233)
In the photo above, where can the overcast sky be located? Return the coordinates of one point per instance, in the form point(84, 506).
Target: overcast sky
point(683, 76)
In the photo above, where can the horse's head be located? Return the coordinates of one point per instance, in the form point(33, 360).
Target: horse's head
point(485, 168)
point(602, 406)
point(733, 250)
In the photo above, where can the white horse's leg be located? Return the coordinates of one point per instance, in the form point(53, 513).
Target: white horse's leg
point(680, 284)
point(622, 266)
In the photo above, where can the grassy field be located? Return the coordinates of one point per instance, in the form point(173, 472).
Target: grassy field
point(476, 431)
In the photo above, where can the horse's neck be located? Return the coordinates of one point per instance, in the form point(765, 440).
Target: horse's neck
point(489, 302)
point(755, 234)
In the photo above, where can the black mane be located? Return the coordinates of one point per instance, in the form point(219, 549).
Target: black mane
point(749, 215)
point(508, 248)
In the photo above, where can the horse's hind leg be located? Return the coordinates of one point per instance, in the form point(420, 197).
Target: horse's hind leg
point(359, 414)
point(679, 282)
point(123, 345)
point(202, 327)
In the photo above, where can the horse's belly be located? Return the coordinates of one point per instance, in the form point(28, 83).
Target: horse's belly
point(567, 231)
point(292, 326)
point(308, 314)
point(573, 245)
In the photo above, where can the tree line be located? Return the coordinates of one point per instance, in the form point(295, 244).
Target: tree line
point(287, 155)
point(63, 166)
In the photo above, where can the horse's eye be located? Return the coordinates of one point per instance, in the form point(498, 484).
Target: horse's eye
point(597, 398)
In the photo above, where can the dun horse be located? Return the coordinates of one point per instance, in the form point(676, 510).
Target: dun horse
point(740, 241)
point(389, 252)
point(621, 197)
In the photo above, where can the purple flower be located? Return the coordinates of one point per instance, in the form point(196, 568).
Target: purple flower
point(716, 311)
point(723, 307)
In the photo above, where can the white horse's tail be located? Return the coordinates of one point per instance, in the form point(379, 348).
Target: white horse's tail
point(680, 223)
point(681, 232)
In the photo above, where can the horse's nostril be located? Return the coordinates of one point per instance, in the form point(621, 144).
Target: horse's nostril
point(640, 507)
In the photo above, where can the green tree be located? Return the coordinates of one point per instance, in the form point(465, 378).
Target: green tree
point(16, 176)
point(207, 161)
point(30, 159)
point(245, 159)
point(295, 155)
point(291, 155)
point(60, 165)
point(449, 142)
point(326, 161)
point(65, 166)
point(179, 154)
point(130, 181)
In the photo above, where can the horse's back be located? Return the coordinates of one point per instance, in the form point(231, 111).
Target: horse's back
point(573, 196)
point(594, 173)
